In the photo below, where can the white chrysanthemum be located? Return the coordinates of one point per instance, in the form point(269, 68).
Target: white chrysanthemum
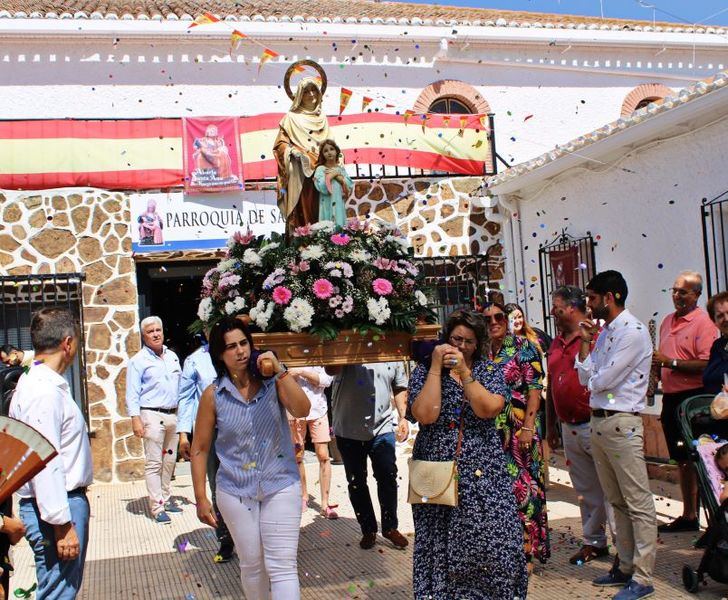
point(251, 257)
point(204, 311)
point(233, 307)
point(378, 310)
point(298, 314)
point(261, 315)
point(360, 256)
point(323, 226)
point(226, 265)
point(268, 248)
point(421, 298)
point(312, 252)
point(402, 241)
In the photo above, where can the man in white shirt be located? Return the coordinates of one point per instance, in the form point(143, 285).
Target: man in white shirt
point(314, 381)
point(616, 373)
point(53, 505)
point(152, 393)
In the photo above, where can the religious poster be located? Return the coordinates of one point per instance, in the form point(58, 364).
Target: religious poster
point(564, 266)
point(168, 222)
point(212, 157)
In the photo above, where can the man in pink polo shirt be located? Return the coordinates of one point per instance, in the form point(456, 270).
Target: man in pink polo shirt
point(685, 340)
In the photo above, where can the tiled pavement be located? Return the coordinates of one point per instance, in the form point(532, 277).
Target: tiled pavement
point(131, 557)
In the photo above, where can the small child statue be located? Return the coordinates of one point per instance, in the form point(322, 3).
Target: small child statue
point(333, 183)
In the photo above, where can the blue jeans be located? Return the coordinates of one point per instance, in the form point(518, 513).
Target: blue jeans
point(380, 450)
point(57, 580)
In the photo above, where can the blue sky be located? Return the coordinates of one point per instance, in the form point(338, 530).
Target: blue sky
point(678, 11)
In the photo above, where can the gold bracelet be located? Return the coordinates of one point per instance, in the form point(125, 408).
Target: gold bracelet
point(439, 373)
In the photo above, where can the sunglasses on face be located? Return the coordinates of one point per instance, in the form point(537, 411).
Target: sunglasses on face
point(498, 317)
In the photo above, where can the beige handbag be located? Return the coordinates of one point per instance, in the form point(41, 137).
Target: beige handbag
point(435, 482)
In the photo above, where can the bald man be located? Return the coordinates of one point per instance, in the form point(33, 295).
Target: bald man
point(686, 336)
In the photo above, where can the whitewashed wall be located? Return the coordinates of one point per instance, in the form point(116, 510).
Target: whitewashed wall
point(647, 224)
point(127, 73)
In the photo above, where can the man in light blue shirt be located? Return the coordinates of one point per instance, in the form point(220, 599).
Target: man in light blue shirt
point(152, 386)
point(616, 371)
point(197, 374)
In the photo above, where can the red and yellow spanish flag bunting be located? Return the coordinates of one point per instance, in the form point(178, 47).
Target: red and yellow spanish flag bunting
point(266, 56)
point(204, 19)
point(235, 38)
point(446, 121)
point(425, 118)
point(407, 115)
point(365, 101)
point(344, 98)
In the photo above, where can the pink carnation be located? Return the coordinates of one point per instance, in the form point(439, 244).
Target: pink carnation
point(340, 239)
point(323, 288)
point(382, 287)
point(302, 231)
point(282, 295)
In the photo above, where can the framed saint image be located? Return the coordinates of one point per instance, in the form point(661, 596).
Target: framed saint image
point(564, 266)
point(212, 157)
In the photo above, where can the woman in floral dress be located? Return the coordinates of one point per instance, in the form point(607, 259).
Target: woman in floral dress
point(473, 551)
point(519, 426)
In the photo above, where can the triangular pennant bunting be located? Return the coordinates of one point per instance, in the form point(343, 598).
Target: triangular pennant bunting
point(365, 101)
point(266, 56)
point(204, 19)
point(235, 38)
point(344, 98)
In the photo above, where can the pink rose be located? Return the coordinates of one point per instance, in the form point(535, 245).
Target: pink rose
point(282, 295)
point(382, 287)
point(323, 288)
point(304, 265)
point(340, 239)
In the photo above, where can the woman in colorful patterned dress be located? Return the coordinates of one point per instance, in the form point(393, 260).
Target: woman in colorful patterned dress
point(473, 551)
point(519, 426)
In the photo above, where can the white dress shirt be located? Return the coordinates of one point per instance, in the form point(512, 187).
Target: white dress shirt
point(617, 369)
point(316, 393)
point(43, 400)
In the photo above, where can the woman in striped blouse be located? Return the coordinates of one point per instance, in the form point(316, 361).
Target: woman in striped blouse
point(258, 486)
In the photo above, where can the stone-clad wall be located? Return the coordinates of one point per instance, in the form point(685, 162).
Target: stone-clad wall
point(83, 230)
point(439, 217)
point(67, 231)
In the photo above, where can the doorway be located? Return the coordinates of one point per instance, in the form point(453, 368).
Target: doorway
point(171, 291)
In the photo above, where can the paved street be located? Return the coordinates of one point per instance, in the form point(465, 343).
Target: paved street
point(132, 557)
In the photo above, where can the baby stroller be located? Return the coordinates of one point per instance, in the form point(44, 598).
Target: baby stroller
point(695, 419)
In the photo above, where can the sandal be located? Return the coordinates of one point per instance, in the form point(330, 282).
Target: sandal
point(329, 512)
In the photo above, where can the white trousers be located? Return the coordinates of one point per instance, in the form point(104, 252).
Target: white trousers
point(160, 454)
point(596, 512)
point(265, 533)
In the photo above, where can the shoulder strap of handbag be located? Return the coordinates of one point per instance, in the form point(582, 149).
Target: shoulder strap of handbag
point(460, 429)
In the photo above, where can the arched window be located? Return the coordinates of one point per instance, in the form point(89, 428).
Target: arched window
point(450, 106)
point(452, 97)
point(644, 102)
point(643, 95)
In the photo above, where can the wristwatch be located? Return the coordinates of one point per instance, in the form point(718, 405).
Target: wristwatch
point(673, 364)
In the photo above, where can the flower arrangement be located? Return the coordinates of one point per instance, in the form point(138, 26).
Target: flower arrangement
point(323, 280)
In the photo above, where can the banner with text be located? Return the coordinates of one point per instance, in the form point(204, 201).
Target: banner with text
point(163, 222)
point(212, 159)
